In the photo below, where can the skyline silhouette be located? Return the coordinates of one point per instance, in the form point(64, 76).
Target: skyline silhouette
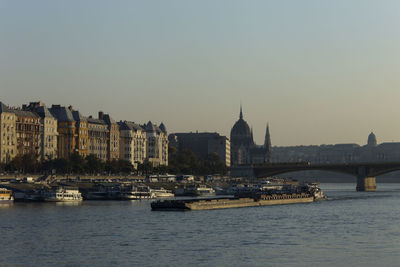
point(318, 72)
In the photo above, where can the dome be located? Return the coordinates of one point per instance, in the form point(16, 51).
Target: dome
point(241, 128)
point(371, 139)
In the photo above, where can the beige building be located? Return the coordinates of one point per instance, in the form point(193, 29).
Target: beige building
point(157, 144)
point(82, 133)
point(49, 133)
point(132, 144)
point(28, 130)
point(8, 134)
point(66, 130)
point(98, 138)
point(113, 136)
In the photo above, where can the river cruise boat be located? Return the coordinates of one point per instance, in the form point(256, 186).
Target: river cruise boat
point(161, 193)
point(63, 195)
point(101, 192)
point(195, 191)
point(136, 192)
point(6, 195)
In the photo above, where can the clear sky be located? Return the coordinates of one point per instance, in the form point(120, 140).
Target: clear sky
point(319, 71)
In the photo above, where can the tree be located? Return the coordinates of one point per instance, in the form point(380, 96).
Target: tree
point(77, 163)
point(124, 166)
point(93, 164)
point(145, 168)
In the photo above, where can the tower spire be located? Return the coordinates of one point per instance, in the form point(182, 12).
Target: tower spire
point(267, 145)
point(251, 133)
point(241, 113)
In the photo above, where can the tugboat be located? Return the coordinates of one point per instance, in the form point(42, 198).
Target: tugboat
point(316, 191)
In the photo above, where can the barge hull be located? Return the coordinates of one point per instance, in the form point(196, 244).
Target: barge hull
point(241, 203)
point(224, 203)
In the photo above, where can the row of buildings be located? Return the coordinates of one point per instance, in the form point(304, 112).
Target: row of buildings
point(339, 153)
point(59, 131)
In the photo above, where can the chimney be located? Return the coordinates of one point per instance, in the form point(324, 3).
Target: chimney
point(101, 115)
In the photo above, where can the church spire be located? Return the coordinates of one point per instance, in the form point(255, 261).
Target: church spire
point(241, 113)
point(251, 132)
point(267, 145)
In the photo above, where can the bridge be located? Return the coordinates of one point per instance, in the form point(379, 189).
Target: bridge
point(365, 172)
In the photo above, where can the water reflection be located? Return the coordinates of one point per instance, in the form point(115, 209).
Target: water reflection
point(71, 203)
point(6, 205)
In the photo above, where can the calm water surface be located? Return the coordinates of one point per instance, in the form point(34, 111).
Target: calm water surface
point(350, 229)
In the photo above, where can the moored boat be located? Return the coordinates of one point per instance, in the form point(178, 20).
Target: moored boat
point(161, 193)
point(63, 195)
point(6, 195)
point(136, 192)
point(195, 191)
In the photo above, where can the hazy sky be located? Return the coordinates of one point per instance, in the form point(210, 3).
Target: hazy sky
point(320, 72)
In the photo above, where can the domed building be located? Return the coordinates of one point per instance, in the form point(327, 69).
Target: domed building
point(243, 148)
point(371, 140)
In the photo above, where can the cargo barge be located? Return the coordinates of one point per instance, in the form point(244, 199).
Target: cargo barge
point(252, 200)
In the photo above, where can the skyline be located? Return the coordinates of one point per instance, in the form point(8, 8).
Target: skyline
point(318, 72)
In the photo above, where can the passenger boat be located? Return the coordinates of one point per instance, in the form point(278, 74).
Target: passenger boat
point(101, 192)
point(136, 192)
point(195, 191)
point(6, 195)
point(63, 195)
point(161, 193)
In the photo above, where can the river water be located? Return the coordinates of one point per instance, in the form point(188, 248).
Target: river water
point(350, 229)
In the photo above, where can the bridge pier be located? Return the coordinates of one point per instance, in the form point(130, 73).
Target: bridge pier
point(366, 183)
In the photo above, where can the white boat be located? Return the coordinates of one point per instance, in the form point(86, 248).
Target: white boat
point(63, 195)
point(201, 190)
point(135, 192)
point(161, 192)
point(6, 195)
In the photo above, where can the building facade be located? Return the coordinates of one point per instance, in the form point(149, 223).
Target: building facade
point(132, 143)
point(112, 138)
point(28, 130)
point(8, 134)
point(66, 139)
point(157, 144)
point(98, 138)
point(202, 144)
point(81, 133)
point(49, 133)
